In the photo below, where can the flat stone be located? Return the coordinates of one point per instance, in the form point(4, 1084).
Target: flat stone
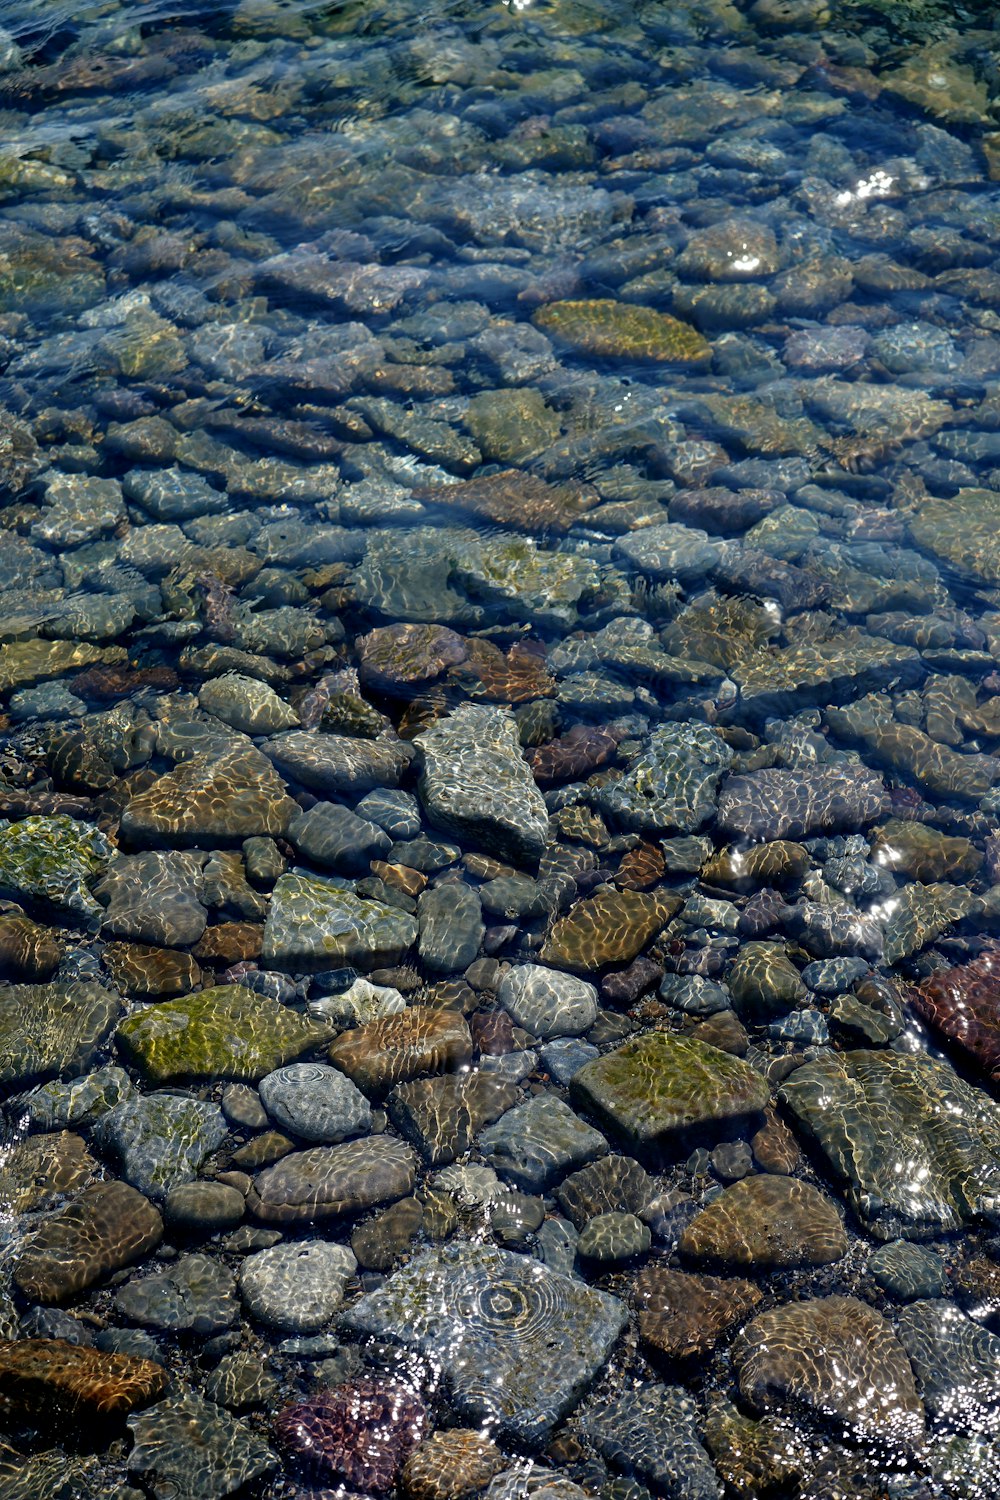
point(908, 1271)
point(955, 1361)
point(961, 1003)
point(537, 1142)
point(546, 1002)
point(190, 1449)
point(154, 898)
point(223, 1032)
point(451, 1464)
point(916, 1147)
point(651, 1433)
point(150, 973)
point(211, 799)
point(202, 1207)
point(451, 927)
point(338, 763)
point(622, 330)
point(49, 1382)
point(918, 914)
point(317, 923)
point(52, 1030)
point(669, 551)
point(611, 927)
point(799, 804)
point(400, 1047)
point(315, 1102)
point(518, 1343)
point(193, 1295)
point(298, 1287)
point(613, 1238)
point(442, 1116)
point(160, 1140)
point(27, 950)
point(766, 1223)
point(333, 1181)
point(672, 786)
point(336, 839)
point(475, 783)
point(658, 1090)
point(104, 1228)
point(837, 1358)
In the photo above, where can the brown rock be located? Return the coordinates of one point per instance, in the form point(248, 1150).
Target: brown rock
point(27, 951)
point(400, 1047)
point(49, 1382)
point(41, 1167)
point(229, 943)
point(775, 1147)
point(611, 927)
point(682, 1316)
point(153, 973)
point(767, 1223)
point(106, 1227)
point(453, 1463)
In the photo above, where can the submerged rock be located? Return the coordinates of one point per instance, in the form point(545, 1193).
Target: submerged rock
point(316, 923)
point(211, 799)
point(619, 330)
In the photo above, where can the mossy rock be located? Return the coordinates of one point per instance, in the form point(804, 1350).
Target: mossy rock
point(224, 1032)
point(618, 330)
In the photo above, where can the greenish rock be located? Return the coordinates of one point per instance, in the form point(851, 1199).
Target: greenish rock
point(511, 426)
point(520, 580)
point(915, 1146)
point(475, 783)
point(52, 1030)
point(621, 330)
point(924, 853)
point(612, 1237)
point(672, 786)
point(190, 1449)
point(315, 922)
point(160, 1140)
point(52, 860)
point(23, 662)
point(918, 914)
point(80, 1102)
point(246, 704)
point(658, 1091)
point(223, 1032)
point(764, 982)
point(517, 1342)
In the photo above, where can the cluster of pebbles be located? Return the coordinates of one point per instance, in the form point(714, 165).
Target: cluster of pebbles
point(500, 752)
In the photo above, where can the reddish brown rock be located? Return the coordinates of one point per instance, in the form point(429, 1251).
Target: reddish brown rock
point(400, 1047)
point(640, 868)
point(518, 677)
point(229, 943)
point(963, 1003)
point(611, 927)
point(154, 973)
point(574, 755)
point(360, 1433)
point(774, 1145)
point(49, 1382)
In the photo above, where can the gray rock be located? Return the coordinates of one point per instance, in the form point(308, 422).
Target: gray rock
point(673, 785)
point(548, 1002)
point(63, 1106)
point(517, 1342)
point(246, 704)
point(451, 927)
point(315, 1102)
point(476, 784)
point(298, 1287)
point(566, 1056)
point(194, 1295)
point(652, 1433)
point(395, 811)
point(684, 553)
point(154, 898)
point(336, 762)
point(612, 1237)
point(908, 1271)
point(159, 1140)
point(190, 1449)
point(955, 1361)
point(536, 1143)
point(316, 921)
point(334, 837)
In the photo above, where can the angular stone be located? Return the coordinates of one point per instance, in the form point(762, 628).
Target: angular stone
point(766, 1223)
point(246, 704)
point(53, 860)
point(400, 1047)
point(955, 1361)
point(151, 973)
point(475, 783)
point(194, 1294)
point(917, 1148)
point(801, 804)
point(442, 1116)
point(104, 1228)
point(683, 1316)
point(963, 1003)
point(338, 763)
point(332, 1181)
point(840, 1360)
point(538, 1141)
point(223, 1032)
point(317, 923)
point(658, 1090)
point(612, 1184)
point(451, 927)
point(52, 1030)
point(160, 1140)
point(961, 530)
point(514, 497)
point(518, 1343)
point(50, 1382)
point(611, 927)
point(673, 784)
point(27, 950)
point(211, 799)
point(154, 898)
point(335, 838)
point(918, 914)
point(190, 1449)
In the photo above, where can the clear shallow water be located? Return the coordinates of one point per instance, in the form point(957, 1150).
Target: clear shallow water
point(489, 487)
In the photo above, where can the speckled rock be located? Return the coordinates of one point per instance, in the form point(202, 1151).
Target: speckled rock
point(52, 860)
point(209, 800)
point(658, 1089)
point(360, 1433)
point(315, 1102)
point(317, 923)
point(450, 1465)
point(475, 784)
point(298, 1287)
point(617, 330)
point(672, 785)
point(837, 1358)
point(160, 1140)
point(223, 1032)
point(766, 1223)
point(104, 1228)
point(537, 1142)
point(799, 804)
point(331, 1181)
point(519, 1343)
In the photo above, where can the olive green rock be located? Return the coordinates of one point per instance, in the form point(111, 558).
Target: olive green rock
point(317, 922)
point(659, 1090)
point(224, 1032)
point(52, 1030)
point(53, 860)
point(620, 330)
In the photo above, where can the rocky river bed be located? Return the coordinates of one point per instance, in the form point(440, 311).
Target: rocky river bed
point(500, 750)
